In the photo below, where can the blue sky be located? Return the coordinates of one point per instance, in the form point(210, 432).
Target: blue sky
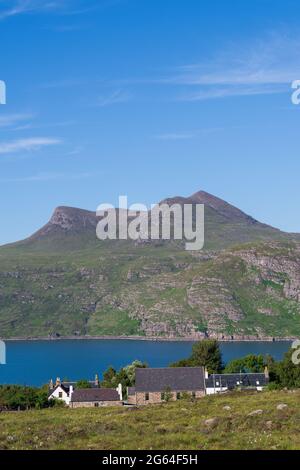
point(149, 98)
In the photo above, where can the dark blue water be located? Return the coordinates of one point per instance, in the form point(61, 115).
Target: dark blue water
point(35, 362)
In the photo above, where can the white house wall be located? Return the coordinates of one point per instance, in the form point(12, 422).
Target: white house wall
point(65, 397)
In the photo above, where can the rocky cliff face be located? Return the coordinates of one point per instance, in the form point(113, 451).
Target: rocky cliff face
point(68, 220)
point(243, 293)
point(278, 269)
point(247, 294)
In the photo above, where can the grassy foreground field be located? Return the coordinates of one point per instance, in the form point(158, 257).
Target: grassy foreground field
point(180, 425)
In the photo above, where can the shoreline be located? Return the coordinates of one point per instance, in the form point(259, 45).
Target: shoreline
point(152, 339)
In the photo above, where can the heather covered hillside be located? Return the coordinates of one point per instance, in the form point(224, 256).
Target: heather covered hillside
point(246, 421)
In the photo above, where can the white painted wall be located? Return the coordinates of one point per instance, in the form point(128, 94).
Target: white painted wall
point(212, 391)
point(120, 391)
point(65, 397)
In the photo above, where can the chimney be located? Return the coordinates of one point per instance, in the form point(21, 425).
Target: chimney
point(71, 390)
point(266, 371)
point(120, 391)
point(97, 380)
point(205, 373)
point(51, 385)
point(58, 381)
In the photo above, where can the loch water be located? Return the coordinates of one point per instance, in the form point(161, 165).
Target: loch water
point(35, 362)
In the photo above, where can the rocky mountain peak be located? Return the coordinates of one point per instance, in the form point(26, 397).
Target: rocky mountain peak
point(69, 218)
point(222, 207)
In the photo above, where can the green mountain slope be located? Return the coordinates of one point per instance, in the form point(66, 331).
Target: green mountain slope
point(63, 281)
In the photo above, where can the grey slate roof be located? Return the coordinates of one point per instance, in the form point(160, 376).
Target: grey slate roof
point(175, 378)
point(63, 387)
point(230, 381)
point(95, 394)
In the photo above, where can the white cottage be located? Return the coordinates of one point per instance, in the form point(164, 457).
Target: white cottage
point(66, 392)
point(61, 391)
point(220, 383)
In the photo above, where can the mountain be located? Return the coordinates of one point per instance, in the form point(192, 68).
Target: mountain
point(68, 228)
point(221, 207)
point(63, 281)
point(225, 225)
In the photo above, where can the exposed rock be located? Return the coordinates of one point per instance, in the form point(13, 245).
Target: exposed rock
point(282, 406)
point(211, 422)
point(256, 413)
point(215, 301)
point(283, 270)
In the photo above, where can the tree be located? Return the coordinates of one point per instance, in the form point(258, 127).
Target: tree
point(83, 383)
point(17, 397)
point(251, 363)
point(109, 378)
point(42, 398)
point(286, 373)
point(130, 371)
point(182, 363)
point(167, 394)
point(205, 353)
point(125, 376)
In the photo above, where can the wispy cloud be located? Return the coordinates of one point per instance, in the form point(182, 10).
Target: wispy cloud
point(65, 83)
point(10, 8)
point(117, 96)
point(19, 7)
point(175, 136)
point(210, 93)
point(8, 120)
point(75, 151)
point(264, 67)
point(41, 177)
point(46, 125)
point(186, 135)
point(25, 121)
point(27, 145)
point(261, 67)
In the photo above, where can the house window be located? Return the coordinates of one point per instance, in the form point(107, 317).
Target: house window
point(193, 394)
point(146, 396)
point(178, 396)
point(60, 394)
point(96, 405)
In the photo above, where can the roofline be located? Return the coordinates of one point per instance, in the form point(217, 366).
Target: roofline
point(193, 389)
point(164, 368)
point(76, 381)
point(240, 373)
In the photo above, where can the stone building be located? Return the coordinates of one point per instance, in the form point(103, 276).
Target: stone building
point(95, 397)
point(85, 397)
point(220, 383)
point(159, 385)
